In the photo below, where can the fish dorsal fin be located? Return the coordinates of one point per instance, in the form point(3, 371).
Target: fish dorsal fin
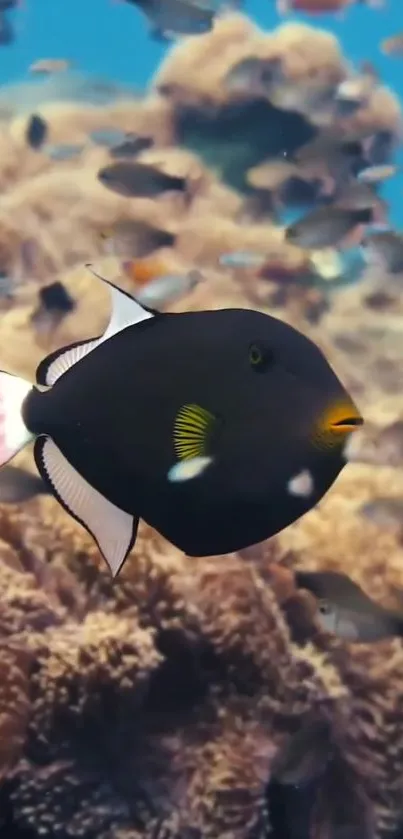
point(113, 530)
point(54, 365)
point(126, 311)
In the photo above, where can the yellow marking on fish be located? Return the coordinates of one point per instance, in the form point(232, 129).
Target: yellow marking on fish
point(192, 430)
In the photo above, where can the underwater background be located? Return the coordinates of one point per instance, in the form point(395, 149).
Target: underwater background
point(245, 695)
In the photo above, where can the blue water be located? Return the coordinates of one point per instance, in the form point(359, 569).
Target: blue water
point(110, 38)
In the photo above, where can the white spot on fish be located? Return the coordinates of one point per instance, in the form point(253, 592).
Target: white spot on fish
point(301, 484)
point(188, 469)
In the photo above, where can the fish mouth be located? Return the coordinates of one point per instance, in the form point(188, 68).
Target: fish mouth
point(347, 424)
point(338, 421)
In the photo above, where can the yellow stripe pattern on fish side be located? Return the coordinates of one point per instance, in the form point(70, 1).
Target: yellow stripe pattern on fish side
point(192, 429)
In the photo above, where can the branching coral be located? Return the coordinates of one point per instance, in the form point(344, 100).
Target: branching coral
point(162, 714)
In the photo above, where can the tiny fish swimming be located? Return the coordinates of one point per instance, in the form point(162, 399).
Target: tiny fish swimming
point(346, 610)
point(218, 428)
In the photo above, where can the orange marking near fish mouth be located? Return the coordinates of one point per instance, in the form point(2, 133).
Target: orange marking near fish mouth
point(339, 420)
point(348, 424)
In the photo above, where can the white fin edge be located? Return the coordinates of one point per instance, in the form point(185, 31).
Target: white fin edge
point(14, 434)
point(66, 359)
point(125, 311)
point(187, 470)
point(112, 528)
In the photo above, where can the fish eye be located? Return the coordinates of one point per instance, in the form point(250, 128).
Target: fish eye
point(260, 357)
point(325, 607)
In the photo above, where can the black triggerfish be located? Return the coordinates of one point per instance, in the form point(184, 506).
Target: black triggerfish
point(218, 428)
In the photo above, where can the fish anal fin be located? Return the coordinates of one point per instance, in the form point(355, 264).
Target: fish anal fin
point(113, 530)
point(125, 312)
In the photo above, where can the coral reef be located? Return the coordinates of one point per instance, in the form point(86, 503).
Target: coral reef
point(155, 705)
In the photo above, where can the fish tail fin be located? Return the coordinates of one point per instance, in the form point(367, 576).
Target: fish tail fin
point(14, 434)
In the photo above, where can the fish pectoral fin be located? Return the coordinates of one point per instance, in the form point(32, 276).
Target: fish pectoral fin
point(194, 427)
point(113, 530)
point(126, 311)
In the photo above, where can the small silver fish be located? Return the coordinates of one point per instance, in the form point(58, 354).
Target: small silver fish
point(346, 611)
point(63, 151)
point(326, 227)
point(168, 18)
point(46, 66)
point(242, 259)
point(165, 290)
point(131, 145)
point(377, 174)
point(17, 485)
point(107, 137)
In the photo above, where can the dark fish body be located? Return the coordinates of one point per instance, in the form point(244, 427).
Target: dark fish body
point(107, 137)
point(140, 180)
point(133, 238)
point(36, 131)
point(357, 196)
point(131, 146)
point(56, 297)
point(63, 151)
point(218, 428)
point(326, 228)
point(54, 303)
